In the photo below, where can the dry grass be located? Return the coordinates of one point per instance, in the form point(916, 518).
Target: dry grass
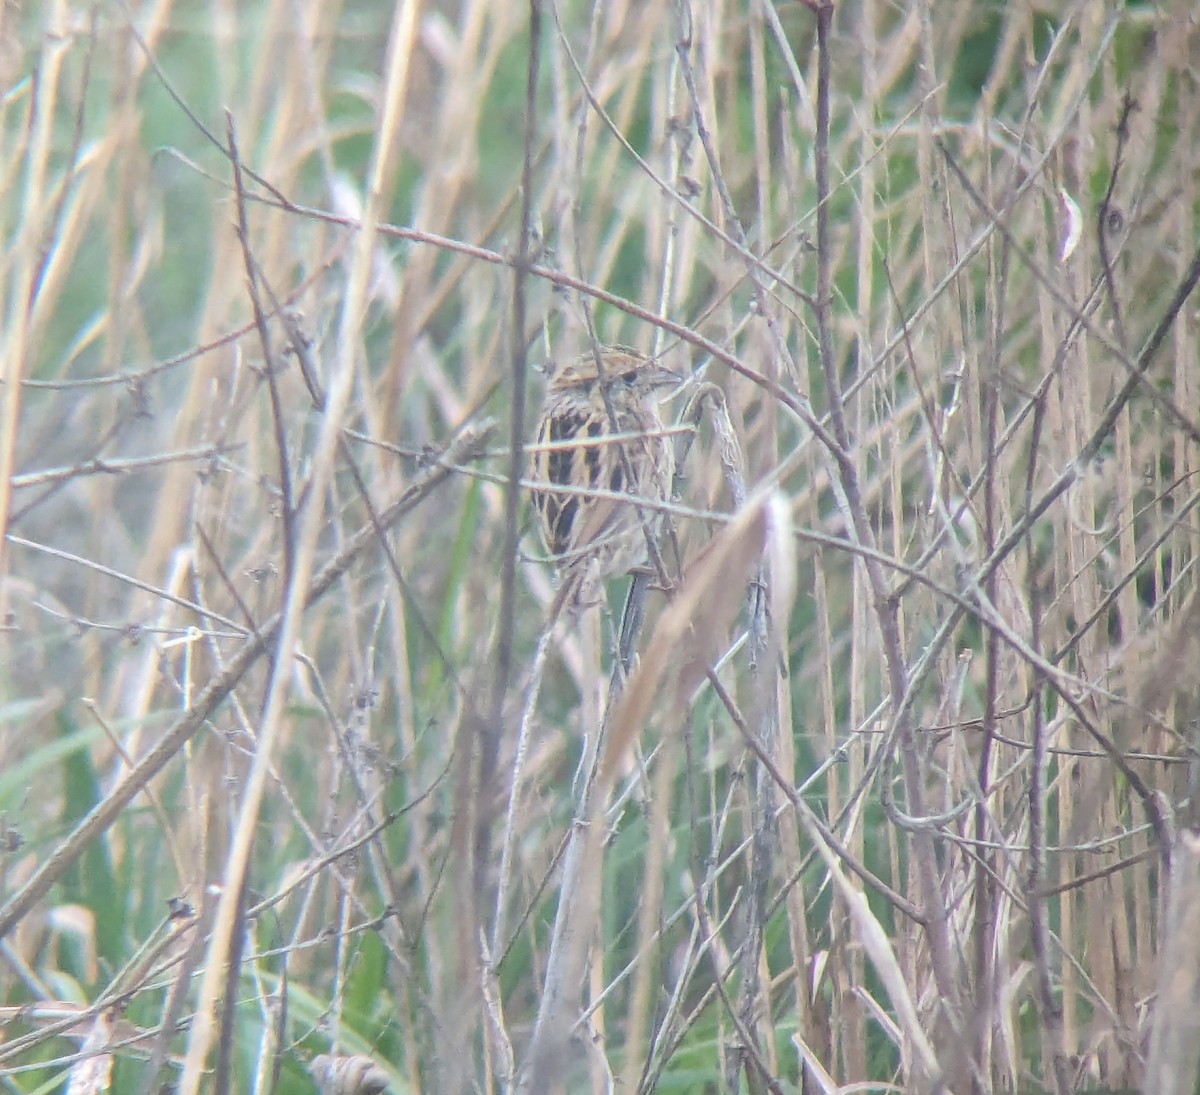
point(891, 792)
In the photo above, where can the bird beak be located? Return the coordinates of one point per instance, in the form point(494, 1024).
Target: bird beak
point(666, 381)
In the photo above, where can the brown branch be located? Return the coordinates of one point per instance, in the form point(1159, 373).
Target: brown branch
point(97, 821)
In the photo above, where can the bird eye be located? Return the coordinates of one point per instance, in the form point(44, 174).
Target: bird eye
point(629, 377)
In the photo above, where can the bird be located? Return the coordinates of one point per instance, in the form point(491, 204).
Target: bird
point(601, 447)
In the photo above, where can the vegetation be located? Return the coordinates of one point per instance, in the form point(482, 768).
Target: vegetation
point(306, 781)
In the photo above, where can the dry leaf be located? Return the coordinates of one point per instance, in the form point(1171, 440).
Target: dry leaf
point(348, 1075)
point(691, 631)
